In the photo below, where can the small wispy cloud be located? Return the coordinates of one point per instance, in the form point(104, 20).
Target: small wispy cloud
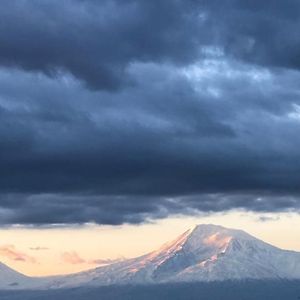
point(266, 218)
point(10, 252)
point(105, 261)
point(38, 248)
point(72, 257)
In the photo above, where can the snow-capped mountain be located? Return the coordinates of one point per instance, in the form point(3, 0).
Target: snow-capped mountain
point(11, 279)
point(206, 253)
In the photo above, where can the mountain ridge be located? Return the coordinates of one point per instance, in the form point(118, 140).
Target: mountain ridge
point(205, 253)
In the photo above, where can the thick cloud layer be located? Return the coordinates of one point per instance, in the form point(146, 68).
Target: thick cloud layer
point(96, 40)
point(119, 111)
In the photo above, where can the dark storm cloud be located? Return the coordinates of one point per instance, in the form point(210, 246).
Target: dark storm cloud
point(262, 32)
point(96, 40)
point(203, 121)
point(115, 210)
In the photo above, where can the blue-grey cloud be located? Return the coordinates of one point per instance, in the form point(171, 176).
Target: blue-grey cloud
point(176, 114)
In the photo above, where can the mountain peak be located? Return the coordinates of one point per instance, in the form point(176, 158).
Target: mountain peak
point(207, 227)
point(205, 253)
point(201, 235)
point(204, 230)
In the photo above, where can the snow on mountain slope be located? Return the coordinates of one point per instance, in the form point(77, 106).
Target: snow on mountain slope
point(11, 279)
point(206, 253)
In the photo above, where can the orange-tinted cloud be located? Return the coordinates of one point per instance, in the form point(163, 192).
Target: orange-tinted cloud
point(10, 252)
point(73, 258)
point(105, 261)
point(38, 248)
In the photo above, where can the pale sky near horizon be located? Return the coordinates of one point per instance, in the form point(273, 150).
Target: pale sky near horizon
point(40, 252)
point(123, 111)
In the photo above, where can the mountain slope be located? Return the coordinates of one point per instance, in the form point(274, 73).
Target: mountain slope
point(11, 279)
point(206, 253)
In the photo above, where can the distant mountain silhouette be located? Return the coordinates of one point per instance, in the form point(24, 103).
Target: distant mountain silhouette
point(206, 253)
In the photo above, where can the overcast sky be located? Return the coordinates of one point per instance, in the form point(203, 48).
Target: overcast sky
point(117, 111)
